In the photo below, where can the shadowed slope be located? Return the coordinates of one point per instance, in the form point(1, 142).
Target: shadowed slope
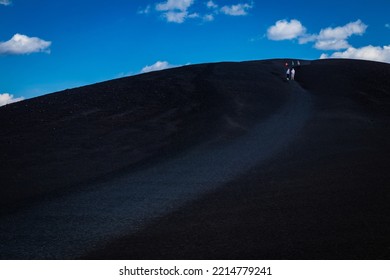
point(69, 226)
point(326, 196)
point(254, 115)
point(297, 183)
point(57, 142)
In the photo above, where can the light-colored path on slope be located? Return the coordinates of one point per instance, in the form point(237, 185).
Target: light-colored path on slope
point(67, 227)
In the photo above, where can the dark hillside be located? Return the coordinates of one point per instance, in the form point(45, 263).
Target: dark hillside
point(62, 140)
point(326, 196)
point(213, 161)
point(363, 83)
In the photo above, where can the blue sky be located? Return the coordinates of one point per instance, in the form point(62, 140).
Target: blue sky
point(47, 45)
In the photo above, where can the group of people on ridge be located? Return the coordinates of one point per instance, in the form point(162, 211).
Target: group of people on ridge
point(290, 73)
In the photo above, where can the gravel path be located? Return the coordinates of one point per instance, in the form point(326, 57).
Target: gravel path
point(67, 227)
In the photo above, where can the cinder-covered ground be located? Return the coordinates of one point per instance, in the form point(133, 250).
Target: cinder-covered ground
point(214, 161)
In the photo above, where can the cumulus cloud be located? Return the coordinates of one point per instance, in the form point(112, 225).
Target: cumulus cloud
point(240, 9)
point(5, 2)
point(236, 10)
point(328, 38)
point(159, 65)
point(331, 39)
point(332, 44)
point(175, 10)
point(22, 44)
point(367, 53)
point(178, 11)
point(343, 32)
point(171, 5)
point(286, 30)
point(336, 38)
point(177, 17)
point(7, 98)
point(211, 5)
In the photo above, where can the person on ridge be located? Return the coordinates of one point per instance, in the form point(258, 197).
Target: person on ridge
point(292, 74)
point(288, 74)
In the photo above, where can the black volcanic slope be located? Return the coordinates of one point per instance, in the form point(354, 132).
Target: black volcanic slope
point(59, 141)
point(323, 193)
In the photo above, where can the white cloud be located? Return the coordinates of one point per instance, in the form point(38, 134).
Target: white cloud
point(5, 2)
point(331, 39)
point(343, 32)
point(145, 11)
point(236, 10)
point(176, 17)
point(367, 53)
point(328, 38)
point(285, 30)
point(306, 38)
point(194, 15)
point(211, 5)
point(178, 11)
point(232, 10)
point(171, 5)
point(22, 44)
point(175, 10)
point(336, 38)
point(159, 65)
point(7, 98)
point(332, 44)
point(209, 17)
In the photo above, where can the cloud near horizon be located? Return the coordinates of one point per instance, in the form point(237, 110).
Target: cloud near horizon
point(22, 44)
point(336, 38)
point(159, 65)
point(328, 38)
point(381, 54)
point(6, 98)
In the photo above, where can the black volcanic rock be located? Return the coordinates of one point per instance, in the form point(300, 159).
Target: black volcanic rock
point(363, 83)
point(326, 196)
point(310, 165)
point(61, 141)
